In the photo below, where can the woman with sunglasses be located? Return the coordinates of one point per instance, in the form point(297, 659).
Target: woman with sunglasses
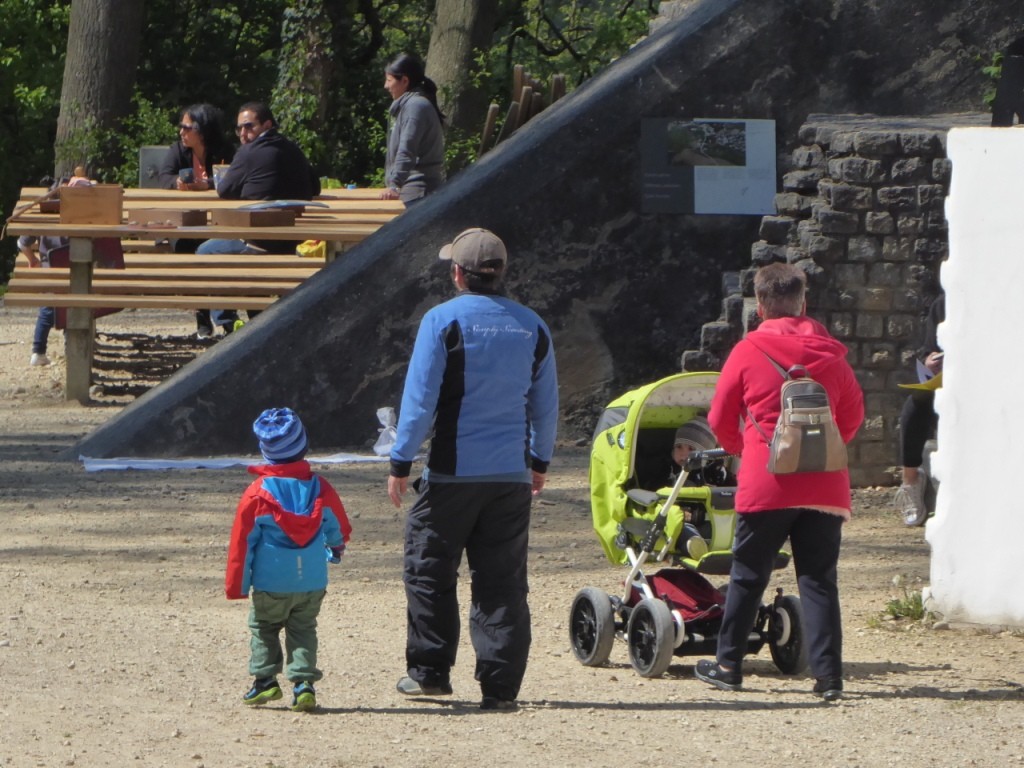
point(414, 166)
point(188, 164)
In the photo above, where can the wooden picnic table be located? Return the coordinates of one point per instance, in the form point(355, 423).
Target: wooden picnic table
point(180, 280)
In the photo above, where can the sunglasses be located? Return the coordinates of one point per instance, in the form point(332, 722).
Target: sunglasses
point(184, 127)
point(245, 127)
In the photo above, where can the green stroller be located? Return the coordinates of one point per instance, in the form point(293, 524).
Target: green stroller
point(685, 525)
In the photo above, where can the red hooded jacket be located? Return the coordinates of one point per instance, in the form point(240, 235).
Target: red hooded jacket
point(750, 382)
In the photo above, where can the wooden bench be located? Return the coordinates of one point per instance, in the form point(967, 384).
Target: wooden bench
point(171, 281)
point(160, 280)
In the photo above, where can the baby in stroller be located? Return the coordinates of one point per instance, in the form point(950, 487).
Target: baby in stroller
point(694, 435)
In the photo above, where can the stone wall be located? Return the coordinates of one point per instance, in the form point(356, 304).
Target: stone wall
point(862, 211)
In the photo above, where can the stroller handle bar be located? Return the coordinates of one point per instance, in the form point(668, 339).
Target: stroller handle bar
point(697, 459)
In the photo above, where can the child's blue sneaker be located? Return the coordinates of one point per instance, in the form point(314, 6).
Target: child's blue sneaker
point(305, 698)
point(263, 689)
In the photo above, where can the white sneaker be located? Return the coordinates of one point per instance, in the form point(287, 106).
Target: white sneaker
point(696, 547)
point(39, 358)
point(910, 502)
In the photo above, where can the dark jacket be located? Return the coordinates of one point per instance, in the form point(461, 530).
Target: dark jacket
point(269, 168)
point(178, 156)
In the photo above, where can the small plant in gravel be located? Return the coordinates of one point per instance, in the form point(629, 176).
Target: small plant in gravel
point(909, 604)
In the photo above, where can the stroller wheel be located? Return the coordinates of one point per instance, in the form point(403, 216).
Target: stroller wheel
point(651, 637)
point(591, 626)
point(786, 635)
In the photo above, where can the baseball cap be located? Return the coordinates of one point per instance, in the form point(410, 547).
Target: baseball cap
point(472, 248)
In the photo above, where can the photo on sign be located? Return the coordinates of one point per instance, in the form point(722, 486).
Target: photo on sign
point(706, 143)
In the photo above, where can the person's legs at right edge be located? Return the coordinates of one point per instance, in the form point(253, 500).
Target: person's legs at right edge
point(917, 423)
point(759, 536)
point(816, 538)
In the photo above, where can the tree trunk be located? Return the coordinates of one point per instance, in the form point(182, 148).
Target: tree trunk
point(461, 28)
point(99, 75)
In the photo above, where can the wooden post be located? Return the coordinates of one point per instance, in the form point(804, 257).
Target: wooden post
point(81, 326)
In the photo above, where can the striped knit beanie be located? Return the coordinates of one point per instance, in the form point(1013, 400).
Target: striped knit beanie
point(281, 434)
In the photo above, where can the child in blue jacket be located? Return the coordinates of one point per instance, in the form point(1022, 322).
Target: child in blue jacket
point(288, 524)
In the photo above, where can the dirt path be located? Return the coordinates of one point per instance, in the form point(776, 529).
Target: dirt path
point(117, 646)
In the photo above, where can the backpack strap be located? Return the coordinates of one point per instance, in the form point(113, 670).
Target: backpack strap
point(785, 377)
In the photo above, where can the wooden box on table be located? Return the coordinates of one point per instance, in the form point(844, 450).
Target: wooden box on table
point(95, 204)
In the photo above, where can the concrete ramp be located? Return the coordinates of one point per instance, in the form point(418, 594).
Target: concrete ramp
point(624, 292)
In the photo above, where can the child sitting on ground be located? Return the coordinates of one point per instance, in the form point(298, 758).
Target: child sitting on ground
point(289, 523)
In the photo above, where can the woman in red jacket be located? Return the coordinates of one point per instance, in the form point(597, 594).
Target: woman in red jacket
point(809, 508)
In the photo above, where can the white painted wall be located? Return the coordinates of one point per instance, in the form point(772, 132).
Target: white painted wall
point(977, 534)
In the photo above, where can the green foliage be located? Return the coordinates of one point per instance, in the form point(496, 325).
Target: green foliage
point(908, 605)
point(32, 38)
point(318, 63)
point(993, 72)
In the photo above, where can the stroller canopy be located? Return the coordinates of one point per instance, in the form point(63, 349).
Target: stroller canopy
point(632, 445)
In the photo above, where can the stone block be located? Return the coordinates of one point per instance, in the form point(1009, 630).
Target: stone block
point(942, 170)
point(797, 255)
point(885, 273)
point(909, 224)
point(870, 326)
point(762, 253)
point(872, 380)
point(858, 170)
point(849, 275)
point(837, 222)
point(807, 134)
point(777, 229)
point(911, 170)
point(879, 355)
point(877, 143)
point(923, 143)
point(717, 336)
point(824, 249)
point(874, 299)
point(848, 299)
point(842, 142)
point(732, 309)
point(901, 327)
point(793, 204)
point(897, 198)
point(929, 250)
point(808, 157)
point(898, 248)
point(849, 197)
point(699, 360)
point(931, 197)
point(802, 181)
point(935, 225)
point(879, 223)
point(864, 248)
point(873, 429)
point(876, 453)
point(841, 325)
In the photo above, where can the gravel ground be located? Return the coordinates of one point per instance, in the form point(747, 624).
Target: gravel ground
point(118, 647)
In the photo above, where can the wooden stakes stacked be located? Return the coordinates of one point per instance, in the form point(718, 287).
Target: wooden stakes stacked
point(528, 101)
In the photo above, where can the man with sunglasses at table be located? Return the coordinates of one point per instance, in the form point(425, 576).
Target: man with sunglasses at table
point(266, 167)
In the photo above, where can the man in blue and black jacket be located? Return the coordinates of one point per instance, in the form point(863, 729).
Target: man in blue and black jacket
point(483, 375)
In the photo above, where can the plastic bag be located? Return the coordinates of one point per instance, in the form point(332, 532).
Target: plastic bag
point(388, 431)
